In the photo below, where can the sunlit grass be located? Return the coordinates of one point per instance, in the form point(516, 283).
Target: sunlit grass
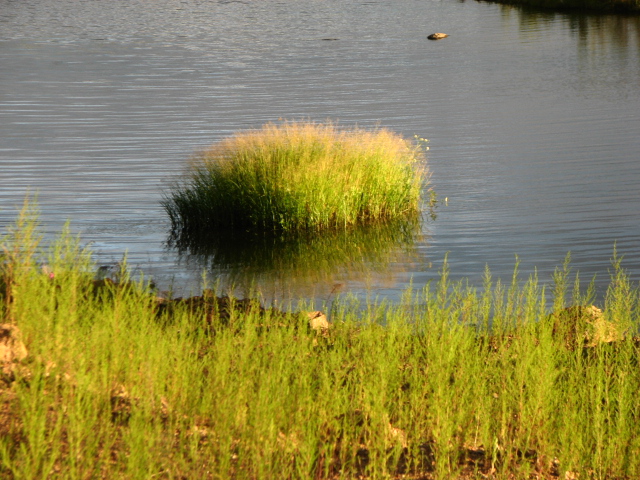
point(490, 384)
point(297, 176)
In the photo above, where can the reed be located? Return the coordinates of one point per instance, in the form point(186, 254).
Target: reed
point(297, 177)
point(451, 383)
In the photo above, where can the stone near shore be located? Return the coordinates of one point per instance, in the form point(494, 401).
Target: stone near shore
point(12, 351)
point(318, 321)
point(586, 326)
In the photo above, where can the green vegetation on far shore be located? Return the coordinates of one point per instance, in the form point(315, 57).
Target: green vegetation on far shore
point(603, 6)
point(101, 379)
point(297, 177)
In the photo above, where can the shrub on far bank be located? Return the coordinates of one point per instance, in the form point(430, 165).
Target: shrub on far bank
point(298, 176)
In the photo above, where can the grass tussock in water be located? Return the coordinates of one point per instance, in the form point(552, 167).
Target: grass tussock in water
point(298, 177)
point(100, 381)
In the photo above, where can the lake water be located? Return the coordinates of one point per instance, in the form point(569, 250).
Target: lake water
point(533, 120)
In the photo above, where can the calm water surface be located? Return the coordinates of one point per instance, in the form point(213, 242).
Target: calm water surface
point(533, 119)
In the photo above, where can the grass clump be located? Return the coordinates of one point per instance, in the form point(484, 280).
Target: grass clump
point(453, 383)
point(297, 177)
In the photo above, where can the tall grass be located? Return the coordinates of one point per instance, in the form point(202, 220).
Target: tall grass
point(298, 177)
point(449, 383)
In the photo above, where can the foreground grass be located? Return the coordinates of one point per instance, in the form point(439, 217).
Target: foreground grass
point(604, 6)
point(451, 383)
point(298, 177)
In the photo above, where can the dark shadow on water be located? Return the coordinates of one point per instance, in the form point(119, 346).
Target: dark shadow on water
point(304, 265)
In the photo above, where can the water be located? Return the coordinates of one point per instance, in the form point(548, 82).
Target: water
point(533, 119)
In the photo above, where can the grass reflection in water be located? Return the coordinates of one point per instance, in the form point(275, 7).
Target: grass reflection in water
point(300, 260)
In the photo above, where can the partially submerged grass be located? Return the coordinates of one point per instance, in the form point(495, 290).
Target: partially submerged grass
point(451, 383)
point(298, 177)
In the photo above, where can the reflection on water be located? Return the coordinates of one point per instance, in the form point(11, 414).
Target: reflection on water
point(607, 45)
point(619, 33)
point(310, 263)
